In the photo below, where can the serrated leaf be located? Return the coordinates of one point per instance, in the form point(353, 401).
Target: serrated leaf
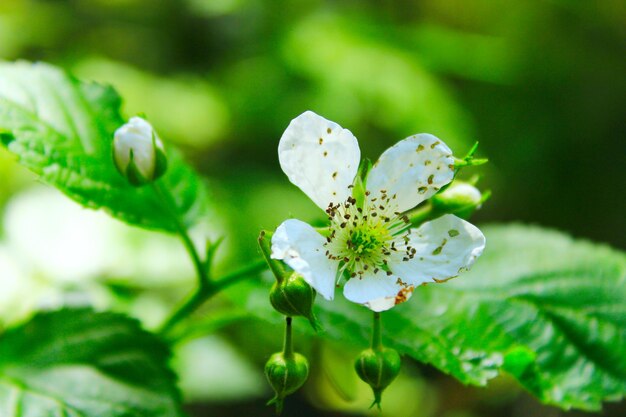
point(62, 129)
point(548, 309)
point(84, 364)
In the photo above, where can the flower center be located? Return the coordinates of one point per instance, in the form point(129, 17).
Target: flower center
point(364, 238)
point(367, 240)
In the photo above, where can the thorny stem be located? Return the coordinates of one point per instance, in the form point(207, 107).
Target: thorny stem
point(288, 345)
point(377, 340)
point(206, 287)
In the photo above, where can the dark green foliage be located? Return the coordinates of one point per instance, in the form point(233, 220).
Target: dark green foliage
point(80, 363)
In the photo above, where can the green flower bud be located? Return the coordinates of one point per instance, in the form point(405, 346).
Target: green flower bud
point(460, 198)
point(378, 368)
point(294, 297)
point(138, 152)
point(286, 373)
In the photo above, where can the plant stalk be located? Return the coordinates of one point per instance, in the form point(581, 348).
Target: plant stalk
point(288, 344)
point(377, 339)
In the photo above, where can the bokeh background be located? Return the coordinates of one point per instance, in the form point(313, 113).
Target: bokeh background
point(541, 84)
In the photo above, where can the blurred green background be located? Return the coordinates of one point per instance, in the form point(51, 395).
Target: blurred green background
point(541, 85)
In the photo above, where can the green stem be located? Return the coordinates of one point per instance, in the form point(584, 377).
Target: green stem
point(288, 345)
point(377, 339)
point(200, 267)
point(201, 294)
point(205, 288)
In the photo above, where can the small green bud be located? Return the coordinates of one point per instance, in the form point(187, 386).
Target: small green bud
point(286, 373)
point(460, 198)
point(378, 368)
point(138, 152)
point(294, 297)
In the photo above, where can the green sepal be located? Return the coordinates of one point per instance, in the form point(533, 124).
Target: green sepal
point(286, 373)
point(160, 159)
point(359, 184)
point(378, 368)
point(132, 173)
point(277, 267)
point(293, 297)
point(467, 161)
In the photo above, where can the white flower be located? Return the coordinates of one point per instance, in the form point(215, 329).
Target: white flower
point(138, 152)
point(371, 243)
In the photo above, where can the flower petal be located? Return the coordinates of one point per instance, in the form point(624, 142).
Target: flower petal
point(320, 157)
point(444, 248)
point(302, 248)
point(413, 170)
point(378, 292)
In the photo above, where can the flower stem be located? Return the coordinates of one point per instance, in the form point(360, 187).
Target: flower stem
point(206, 287)
point(288, 345)
point(201, 294)
point(199, 265)
point(377, 340)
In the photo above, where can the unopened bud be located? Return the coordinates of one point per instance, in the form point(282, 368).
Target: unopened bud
point(461, 199)
point(294, 297)
point(286, 373)
point(378, 368)
point(138, 152)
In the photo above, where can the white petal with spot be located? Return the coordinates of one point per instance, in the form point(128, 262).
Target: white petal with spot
point(378, 291)
point(320, 157)
point(445, 247)
point(413, 170)
point(302, 248)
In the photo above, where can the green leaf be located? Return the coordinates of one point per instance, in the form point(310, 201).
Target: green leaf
point(62, 129)
point(80, 363)
point(547, 309)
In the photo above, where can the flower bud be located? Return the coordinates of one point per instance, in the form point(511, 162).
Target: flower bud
point(294, 297)
point(378, 368)
point(286, 373)
point(138, 152)
point(460, 198)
